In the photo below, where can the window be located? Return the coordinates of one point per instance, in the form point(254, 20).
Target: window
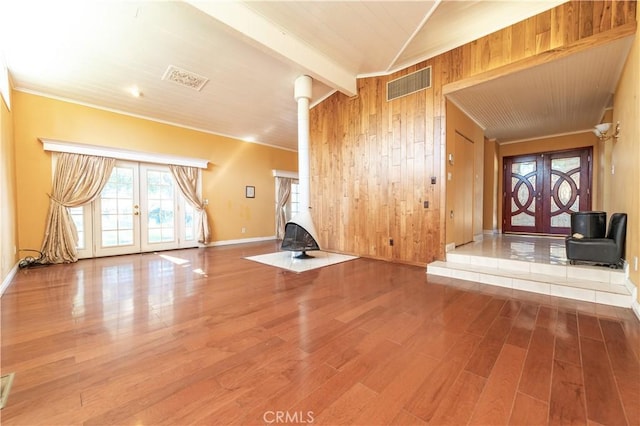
point(77, 215)
point(293, 203)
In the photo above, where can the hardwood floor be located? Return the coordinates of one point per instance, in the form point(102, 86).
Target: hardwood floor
point(203, 336)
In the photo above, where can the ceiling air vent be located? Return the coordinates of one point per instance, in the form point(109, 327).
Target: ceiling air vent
point(409, 83)
point(185, 78)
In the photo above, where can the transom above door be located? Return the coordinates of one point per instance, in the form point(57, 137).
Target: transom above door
point(542, 190)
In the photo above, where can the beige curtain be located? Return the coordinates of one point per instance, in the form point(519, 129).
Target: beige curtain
point(78, 180)
point(187, 180)
point(283, 190)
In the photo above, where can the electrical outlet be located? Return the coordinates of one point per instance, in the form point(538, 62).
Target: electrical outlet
point(391, 241)
point(635, 263)
point(243, 230)
point(426, 204)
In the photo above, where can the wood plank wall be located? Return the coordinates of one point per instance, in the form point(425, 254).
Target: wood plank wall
point(372, 160)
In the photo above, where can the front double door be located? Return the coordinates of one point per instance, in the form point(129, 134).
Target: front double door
point(140, 209)
point(542, 190)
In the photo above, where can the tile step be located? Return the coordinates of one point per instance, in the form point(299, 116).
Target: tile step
point(604, 292)
point(570, 272)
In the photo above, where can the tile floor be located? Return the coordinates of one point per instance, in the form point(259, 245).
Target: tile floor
point(545, 250)
point(286, 260)
point(535, 264)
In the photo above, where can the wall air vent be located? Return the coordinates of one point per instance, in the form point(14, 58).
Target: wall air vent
point(185, 78)
point(409, 83)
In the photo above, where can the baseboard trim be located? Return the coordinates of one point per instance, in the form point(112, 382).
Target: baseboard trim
point(7, 280)
point(241, 241)
point(635, 306)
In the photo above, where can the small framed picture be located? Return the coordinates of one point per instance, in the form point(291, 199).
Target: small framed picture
point(250, 191)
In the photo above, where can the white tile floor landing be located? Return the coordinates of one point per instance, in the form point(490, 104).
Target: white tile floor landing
point(538, 265)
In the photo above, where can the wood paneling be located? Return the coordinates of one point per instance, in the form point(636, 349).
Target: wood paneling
point(372, 160)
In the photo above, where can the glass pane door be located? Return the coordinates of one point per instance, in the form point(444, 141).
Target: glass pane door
point(569, 188)
point(522, 186)
point(140, 209)
point(159, 208)
point(117, 212)
point(542, 190)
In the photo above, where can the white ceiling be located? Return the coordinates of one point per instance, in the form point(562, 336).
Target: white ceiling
point(93, 52)
point(564, 96)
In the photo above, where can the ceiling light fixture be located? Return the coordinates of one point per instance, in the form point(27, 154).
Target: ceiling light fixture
point(602, 131)
point(135, 92)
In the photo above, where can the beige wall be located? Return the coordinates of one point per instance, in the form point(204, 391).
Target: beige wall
point(459, 122)
point(624, 191)
point(604, 168)
point(490, 196)
point(8, 225)
point(233, 164)
point(554, 143)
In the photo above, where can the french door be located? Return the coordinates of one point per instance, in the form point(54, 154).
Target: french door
point(140, 209)
point(542, 190)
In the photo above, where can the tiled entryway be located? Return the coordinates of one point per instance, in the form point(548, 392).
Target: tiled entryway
point(535, 264)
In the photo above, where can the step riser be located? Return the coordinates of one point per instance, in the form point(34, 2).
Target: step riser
point(540, 287)
point(612, 276)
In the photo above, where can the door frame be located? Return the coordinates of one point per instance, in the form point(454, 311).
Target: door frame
point(543, 183)
point(463, 172)
point(96, 211)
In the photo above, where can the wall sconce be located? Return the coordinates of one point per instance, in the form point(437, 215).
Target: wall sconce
point(602, 130)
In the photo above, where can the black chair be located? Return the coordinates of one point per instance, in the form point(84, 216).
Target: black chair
point(589, 224)
point(603, 251)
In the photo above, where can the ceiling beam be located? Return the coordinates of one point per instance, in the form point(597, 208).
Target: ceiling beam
point(413, 35)
point(286, 46)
